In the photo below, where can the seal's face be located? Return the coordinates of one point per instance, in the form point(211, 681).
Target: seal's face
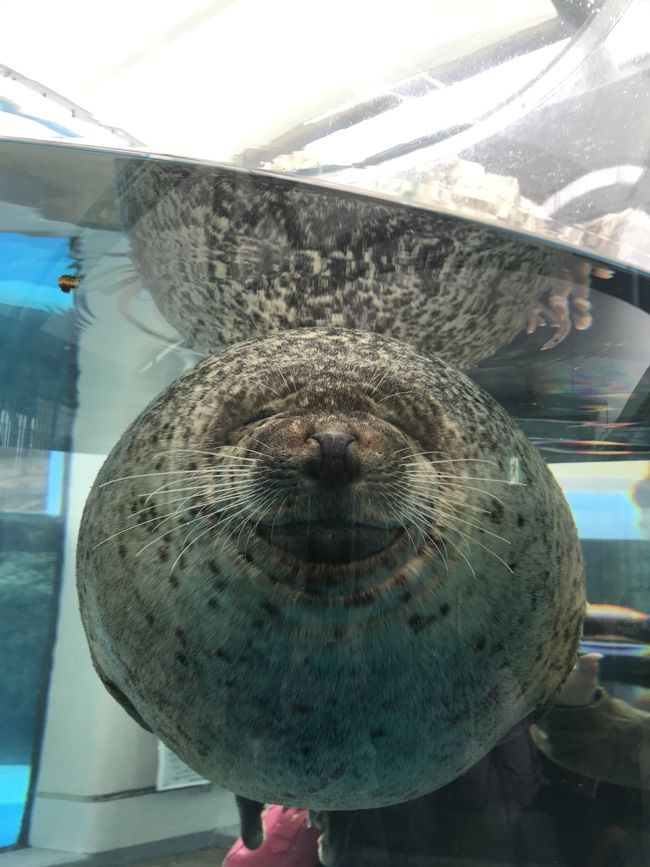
point(324, 491)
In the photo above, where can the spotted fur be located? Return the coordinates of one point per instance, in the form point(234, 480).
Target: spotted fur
point(343, 686)
point(230, 255)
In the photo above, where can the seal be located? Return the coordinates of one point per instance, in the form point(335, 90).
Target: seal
point(329, 571)
point(228, 255)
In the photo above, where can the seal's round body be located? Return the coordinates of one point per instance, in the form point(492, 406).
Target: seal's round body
point(230, 254)
point(329, 571)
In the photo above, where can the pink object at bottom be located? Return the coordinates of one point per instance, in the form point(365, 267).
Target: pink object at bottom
point(288, 842)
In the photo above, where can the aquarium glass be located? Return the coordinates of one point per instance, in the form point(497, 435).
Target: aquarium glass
point(516, 139)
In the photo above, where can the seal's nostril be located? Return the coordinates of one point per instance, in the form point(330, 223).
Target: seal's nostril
point(333, 461)
point(333, 444)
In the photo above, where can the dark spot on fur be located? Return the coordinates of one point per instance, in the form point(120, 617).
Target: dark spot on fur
point(479, 642)
point(418, 623)
point(213, 602)
point(496, 514)
point(445, 609)
point(180, 634)
point(121, 550)
point(222, 654)
point(520, 520)
point(415, 622)
point(173, 580)
point(248, 557)
point(338, 772)
point(149, 618)
point(406, 597)
point(302, 708)
point(378, 733)
point(158, 465)
point(270, 608)
point(180, 657)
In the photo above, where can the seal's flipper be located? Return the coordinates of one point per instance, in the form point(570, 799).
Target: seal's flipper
point(334, 842)
point(250, 822)
point(120, 698)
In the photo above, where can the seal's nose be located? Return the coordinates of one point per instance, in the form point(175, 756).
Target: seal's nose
point(332, 462)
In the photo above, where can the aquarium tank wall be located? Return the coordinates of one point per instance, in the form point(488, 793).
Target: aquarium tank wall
point(324, 419)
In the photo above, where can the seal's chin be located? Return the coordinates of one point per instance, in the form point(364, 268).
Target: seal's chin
point(330, 542)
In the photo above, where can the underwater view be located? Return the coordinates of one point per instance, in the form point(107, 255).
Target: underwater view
point(309, 502)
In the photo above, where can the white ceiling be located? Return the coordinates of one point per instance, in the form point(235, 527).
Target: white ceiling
point(207, 79)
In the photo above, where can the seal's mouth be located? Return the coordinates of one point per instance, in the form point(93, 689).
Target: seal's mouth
point(331, 542)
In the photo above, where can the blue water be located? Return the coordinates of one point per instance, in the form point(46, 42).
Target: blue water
point(29, 268)
point(604, 515)
point(14, 781)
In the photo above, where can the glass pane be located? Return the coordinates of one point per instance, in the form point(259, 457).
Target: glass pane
point(98, 323)
point(324, 572)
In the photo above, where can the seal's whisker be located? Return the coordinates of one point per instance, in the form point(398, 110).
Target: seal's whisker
point(160, 518)
point(176, 527)
point(460, 551)
point(222, 456)
point(427, 495)
point(124, 530)
point(245, 506)
point(442, 485)
point(405, 449)
point(225, 456)
point(455, 460)
point(145, 475)
point(434, 542)
point(461, 478)
point(448, 513)
point(474, 541)
point(418, 522)
point(482, 479)
point(269, 498)
point(394, 394)
point(187, 546)
point(253, 531)
point(394, 504)
point(269, 505)
point(165, 489)
point(276, 366)
point(267, 387)
point(265, 454)
point(162, 503)
point(244, 517)
point(217, 488)
point(434, 508)
point(369, 393)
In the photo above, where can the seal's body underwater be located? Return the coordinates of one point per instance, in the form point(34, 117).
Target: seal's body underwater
point(328, 571)
point(227, 253)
